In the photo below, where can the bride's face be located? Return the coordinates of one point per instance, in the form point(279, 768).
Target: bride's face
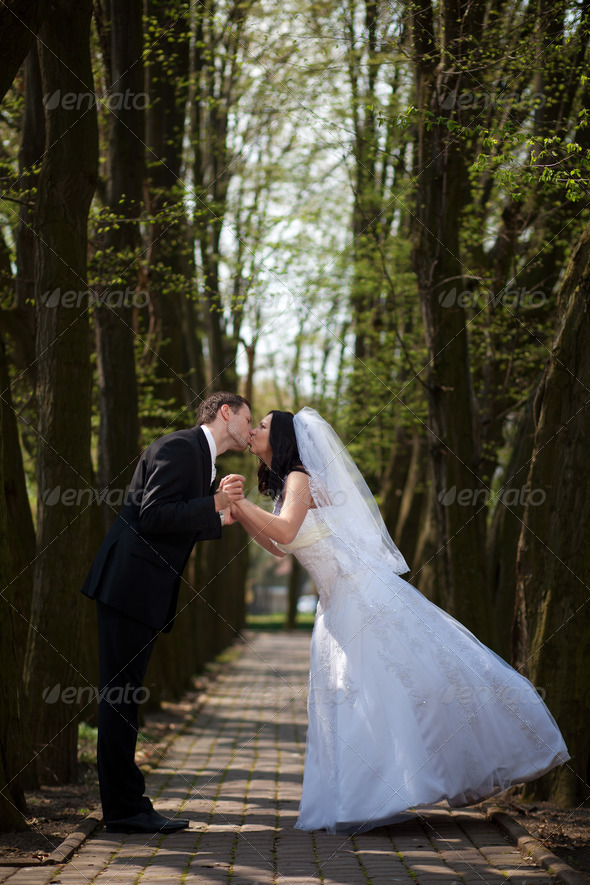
point(260, 440)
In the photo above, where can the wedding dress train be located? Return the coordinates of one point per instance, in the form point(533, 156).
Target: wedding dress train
point(406, 706)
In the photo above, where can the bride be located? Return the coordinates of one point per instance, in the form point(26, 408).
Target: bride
point(406, 707)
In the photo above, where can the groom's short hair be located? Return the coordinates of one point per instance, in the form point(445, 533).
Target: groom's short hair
point(210, 406)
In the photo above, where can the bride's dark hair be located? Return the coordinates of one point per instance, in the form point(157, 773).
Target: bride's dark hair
point(285, 454)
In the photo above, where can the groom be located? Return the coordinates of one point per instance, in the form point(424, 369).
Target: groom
point(135, 578)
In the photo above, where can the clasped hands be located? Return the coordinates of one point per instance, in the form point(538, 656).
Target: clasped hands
point(231, 489)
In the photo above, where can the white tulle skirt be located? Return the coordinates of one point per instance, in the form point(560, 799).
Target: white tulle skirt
point(407, 707)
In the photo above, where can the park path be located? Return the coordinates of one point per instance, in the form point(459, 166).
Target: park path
point(235, 771)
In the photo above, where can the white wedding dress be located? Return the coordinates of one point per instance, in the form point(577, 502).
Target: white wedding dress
point(406, 706)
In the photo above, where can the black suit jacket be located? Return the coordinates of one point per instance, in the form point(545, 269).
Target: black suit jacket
point(169, 506)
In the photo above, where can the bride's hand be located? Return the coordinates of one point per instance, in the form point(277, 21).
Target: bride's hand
point(228, 518)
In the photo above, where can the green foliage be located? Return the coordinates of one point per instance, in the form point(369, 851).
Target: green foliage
point(87, 736)
point(304, 621)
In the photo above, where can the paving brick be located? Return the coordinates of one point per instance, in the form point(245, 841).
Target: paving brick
point(32, 876)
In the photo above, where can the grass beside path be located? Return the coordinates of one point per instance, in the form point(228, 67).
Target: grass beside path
point(277, 622)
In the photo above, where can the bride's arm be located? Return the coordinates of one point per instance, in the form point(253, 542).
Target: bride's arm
point(264, 526)
point(269, 546)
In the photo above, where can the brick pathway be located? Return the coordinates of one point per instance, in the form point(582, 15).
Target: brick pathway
point(236, 773)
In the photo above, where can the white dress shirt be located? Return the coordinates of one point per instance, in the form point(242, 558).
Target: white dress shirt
point(212, 447)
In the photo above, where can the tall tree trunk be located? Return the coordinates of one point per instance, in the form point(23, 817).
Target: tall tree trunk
point(19, 22)
point(216, 70)
point(177, 376)
point(372, 301)
point(115, 339)
point(30, 154)
point(505, 528)
point(20, 530)
point(19, 321)
point(396, 479)
point(553, 565)
point(66, 185)
point(441, 174)
point(171, 250)
point(415, 489)
point(427, 572)
point(23, 333)
point(215, 50)
point(12, 798)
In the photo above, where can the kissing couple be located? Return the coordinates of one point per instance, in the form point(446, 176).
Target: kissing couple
point(385, 734)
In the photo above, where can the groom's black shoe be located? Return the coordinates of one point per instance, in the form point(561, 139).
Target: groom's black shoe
point(147, 822)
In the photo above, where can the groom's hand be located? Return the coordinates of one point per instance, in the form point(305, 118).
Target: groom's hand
point(231, 488)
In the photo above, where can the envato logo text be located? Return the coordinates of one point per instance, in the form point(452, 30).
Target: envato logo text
point(512, 299)
point(112, 298)
point(116, 497)
point(86, 694)
point(483, 100)
point(115, 101)
point(504, 694)
point(84, 497)
point(475, 497)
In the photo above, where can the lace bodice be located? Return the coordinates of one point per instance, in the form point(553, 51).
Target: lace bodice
point(312, 529)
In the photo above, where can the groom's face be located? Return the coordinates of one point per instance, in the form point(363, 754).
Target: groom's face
point(239, 428)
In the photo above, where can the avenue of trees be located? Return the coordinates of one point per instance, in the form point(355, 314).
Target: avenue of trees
point(377, 209)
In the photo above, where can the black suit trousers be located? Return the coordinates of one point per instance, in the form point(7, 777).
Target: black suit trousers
point(124, 649)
